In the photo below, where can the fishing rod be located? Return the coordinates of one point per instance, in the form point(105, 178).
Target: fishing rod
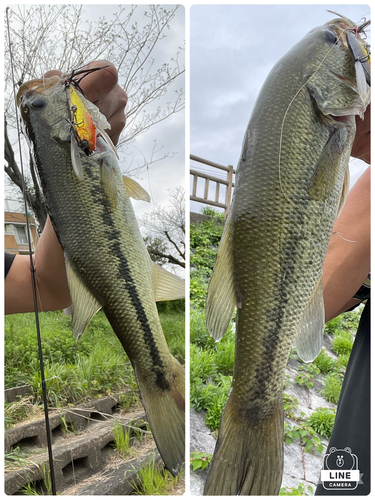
point(33, 281)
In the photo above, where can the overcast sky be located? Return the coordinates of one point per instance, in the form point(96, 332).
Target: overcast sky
point(233, 48)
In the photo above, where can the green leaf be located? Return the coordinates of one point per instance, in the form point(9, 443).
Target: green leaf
point(197, 464)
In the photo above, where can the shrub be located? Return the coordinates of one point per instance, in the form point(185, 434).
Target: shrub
point(332, 387)
point(342, 342)
point(325, 362)
point(322, 421)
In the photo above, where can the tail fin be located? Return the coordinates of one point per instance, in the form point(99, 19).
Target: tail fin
point(165, 410)
point(248, 458)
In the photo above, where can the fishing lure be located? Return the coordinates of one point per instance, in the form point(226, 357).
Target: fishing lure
point(87, 123)
point(359, 51)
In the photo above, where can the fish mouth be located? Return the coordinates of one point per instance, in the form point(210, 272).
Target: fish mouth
point(342, 119)
point(43, 86)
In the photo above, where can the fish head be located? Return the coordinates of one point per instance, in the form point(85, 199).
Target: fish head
point(59, 104)
point(43, 106)
point(337, 69)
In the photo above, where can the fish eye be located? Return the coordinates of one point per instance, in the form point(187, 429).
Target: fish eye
point(38, 103)
point(330, 36)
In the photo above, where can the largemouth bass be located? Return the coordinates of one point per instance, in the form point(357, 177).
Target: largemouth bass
point(291, 183)
point(107, 263)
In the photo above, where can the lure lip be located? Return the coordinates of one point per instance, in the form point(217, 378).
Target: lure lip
point(357, 51)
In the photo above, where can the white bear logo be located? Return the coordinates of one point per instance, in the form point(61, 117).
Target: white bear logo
point(340, 460)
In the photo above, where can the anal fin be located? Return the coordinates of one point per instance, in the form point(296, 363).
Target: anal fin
point(311, 328)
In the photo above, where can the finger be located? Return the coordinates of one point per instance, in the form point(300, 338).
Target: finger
point(112, 102)
point(117, 122)
point(98, 84)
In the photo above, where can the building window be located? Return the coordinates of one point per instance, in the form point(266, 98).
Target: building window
point(21, 235)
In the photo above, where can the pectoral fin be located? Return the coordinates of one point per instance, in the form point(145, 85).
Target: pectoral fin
point(84, 304)
point(310, 333)
point(134, 190)
point(221, 297)
point(75, 157)
point(108, 183)
point(167, 286)
point(324, 178)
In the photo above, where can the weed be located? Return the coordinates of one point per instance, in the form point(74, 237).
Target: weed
point(305, 434)
point(20, 409)
point(173, 325)
point(331, 326)
point(342, 342)
point(350, 319)
point(301, 490)
point(47, 479)
point(224, 357)
point(325, 362)
point(343, 360)
point(332, 387)
point(198, 331)
point(122, 439)
point(202, 363)
point(152, 481)
point(306, 375)
point(67, 427)
point(14, 458)
point(290, 405)
point(200, 460)
point(322, 421)
point(128, 399)
point(210, 397)
point(29, 489)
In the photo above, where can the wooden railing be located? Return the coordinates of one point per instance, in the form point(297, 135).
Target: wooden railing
point(228, 183)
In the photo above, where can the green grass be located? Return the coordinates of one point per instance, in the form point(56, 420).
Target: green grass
point(122, 439)
point(173, 324)
point(343, 360)
point(332, 387)
point(92, 366)
point(325, 362)
point(211, 367)
point(342, 342)
point(322, 421)
point(152, 481)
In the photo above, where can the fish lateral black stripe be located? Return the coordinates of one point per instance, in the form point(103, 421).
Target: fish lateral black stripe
point(125, 273)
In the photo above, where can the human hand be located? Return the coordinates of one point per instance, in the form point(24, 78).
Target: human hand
point(101, 88)
point(362, 145)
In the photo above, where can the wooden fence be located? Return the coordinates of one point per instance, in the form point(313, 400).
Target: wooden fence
point(228, 183)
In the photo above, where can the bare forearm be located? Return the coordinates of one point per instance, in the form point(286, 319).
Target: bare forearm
point(348, 258)
point(51, 283)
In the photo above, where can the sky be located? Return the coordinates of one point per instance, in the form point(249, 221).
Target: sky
point(232, 50)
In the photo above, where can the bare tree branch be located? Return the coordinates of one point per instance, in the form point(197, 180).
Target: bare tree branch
point(60, 37)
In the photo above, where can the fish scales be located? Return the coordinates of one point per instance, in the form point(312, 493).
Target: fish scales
point(103, 245)
point(289, 185)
